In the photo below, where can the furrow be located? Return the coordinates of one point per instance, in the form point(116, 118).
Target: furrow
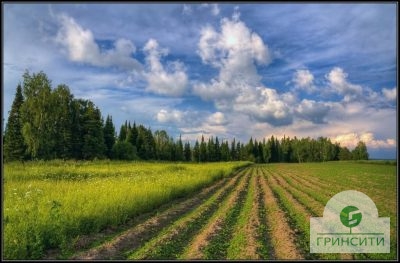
point(311, 200)
point(201, 240)
point(142, 232)
point(171, 241)
point(222, 224)
point(281, 235)
point(299, 217)
point(314, 207)
point(245, 244)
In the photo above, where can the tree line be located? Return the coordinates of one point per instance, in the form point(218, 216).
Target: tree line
point(49, 123)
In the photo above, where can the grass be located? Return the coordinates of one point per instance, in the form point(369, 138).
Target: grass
point(238, 243)
point(171, 241)
point(219, 244)
point(49, 204)
point(377, 181)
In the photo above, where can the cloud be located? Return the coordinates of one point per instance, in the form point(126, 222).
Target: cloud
point(265, 105)
point(213, 7)
point(171, 80)
point(235, 51)
point(174, 116)
point(313, 111)
point(390, 94)
point(304, 80)
point(82, 47)
point(235, 42)
point(214, 124)
point(337, 80)
point(192, 123)
point(186, 9)
point(350, 140)
point(217, 118)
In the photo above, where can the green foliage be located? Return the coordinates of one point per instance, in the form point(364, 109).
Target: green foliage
point(47, 123)
point(344, 154)
point(123, 151)
point(49, 204)
point(14, 144)
point(109, 136)
point(62, 122)
point(196, 152)
point(360, 152)
point(36, 115)
point(203, 151)
point(93, 138)
point(123, 133)
point(132, 134)
point(187, 152)
point(54, 125)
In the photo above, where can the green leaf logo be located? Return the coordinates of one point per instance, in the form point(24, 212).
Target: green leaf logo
point(350, 216)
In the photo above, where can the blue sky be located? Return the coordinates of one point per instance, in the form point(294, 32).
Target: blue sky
point(226, 70)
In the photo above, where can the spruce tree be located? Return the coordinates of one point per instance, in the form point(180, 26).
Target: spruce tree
point(187, 152)
point(203, 150)
point(61, 118)
point(179, 150)
point(14, 145)
point(109, 136)
point(93, 138)
point(123, 132)
point(196, 152)
point(133, 135)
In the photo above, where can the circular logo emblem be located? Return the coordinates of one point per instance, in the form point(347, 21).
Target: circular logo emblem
point(350, 216)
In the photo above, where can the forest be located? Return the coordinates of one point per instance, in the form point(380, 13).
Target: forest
point(47, 123)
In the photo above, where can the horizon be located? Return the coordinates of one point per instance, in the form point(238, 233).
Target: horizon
point(221, 70)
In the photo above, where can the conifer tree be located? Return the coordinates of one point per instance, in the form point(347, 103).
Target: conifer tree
point(187, 152)
point(196, 152)
point(109, 136)
point(203, 151)
point(14, 145)
point(122, 132)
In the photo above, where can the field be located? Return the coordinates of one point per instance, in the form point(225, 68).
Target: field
point(110, 210)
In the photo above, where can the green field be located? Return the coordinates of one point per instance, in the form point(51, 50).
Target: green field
point(128, 210)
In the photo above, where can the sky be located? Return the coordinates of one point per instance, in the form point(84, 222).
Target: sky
point(228, 70)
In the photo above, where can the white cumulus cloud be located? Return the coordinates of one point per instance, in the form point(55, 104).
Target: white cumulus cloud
point(312, 110)
point(235, 51)
point(337, 80)
point(264, 105)
point(82, 47)
point(303, 79)
point(217, 118)
point(164, 116)
point(170, 80)
point(390, 94)
point(214, 8)
point(350, 140)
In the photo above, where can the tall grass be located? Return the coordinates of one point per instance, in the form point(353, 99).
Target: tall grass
point(50, 204)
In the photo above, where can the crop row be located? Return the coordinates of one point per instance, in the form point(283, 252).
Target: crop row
point(42, 214)
point(259, 212)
